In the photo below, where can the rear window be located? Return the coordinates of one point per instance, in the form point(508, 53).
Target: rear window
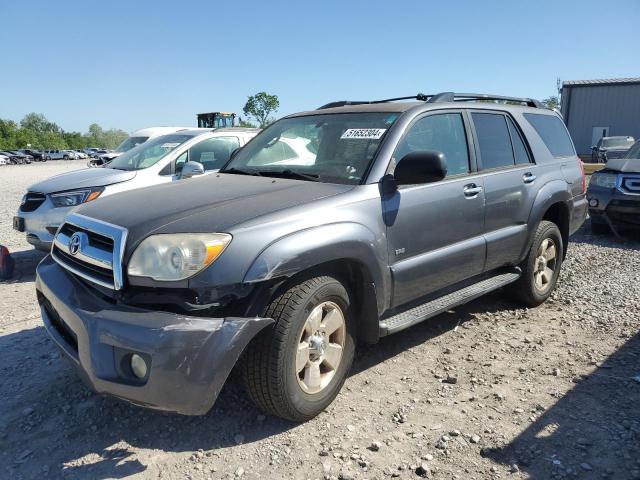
point(553, 133)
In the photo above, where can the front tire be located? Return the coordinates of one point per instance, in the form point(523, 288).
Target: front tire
point(541, 268)
point(297, 367)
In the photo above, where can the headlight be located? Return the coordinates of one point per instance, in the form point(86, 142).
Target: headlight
point(76, 197)
point(172, 257)
point(605, 180)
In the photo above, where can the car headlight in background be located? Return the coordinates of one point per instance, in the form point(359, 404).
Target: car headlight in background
point(172, 257)
point(605, 180)
point(75, 197)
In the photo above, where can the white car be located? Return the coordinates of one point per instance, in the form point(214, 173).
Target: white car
point(167, 158)
point(133, 140)
point(4, 160)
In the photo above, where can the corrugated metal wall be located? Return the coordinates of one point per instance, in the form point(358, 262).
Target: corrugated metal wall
point(613, 106)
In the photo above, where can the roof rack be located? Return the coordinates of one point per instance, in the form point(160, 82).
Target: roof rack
point(439, 98)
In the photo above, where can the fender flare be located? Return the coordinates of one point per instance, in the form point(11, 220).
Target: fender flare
point(311, 247)
point(551, 193)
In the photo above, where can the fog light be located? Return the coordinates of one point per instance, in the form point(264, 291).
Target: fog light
point(138, 366)
point(593, 202)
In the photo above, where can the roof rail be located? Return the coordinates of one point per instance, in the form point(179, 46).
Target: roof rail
point(341, 103)
point(469, 97)
point(440, 98)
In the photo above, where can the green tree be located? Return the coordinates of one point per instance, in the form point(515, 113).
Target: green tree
point(8, 132)
point(37, 122)
point(551, 102)
point(260, 106)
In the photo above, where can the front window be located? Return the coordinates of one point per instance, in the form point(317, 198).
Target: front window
point(212, 153)
point(332, 148)
point(617, 142)
point(634, 152)
point(149, 153)
point(129, 143)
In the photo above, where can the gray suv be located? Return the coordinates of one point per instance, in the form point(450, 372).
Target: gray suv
point(343, 224)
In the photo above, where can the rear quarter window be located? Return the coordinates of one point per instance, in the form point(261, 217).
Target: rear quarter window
point(553, 133)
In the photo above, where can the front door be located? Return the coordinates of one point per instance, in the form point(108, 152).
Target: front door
point(434, 231)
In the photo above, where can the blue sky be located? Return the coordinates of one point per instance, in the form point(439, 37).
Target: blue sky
point(136, 64)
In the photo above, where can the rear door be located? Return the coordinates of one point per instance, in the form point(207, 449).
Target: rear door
point(435, 231)
point(510, 185)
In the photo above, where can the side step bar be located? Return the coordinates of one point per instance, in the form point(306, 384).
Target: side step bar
point(435, 307)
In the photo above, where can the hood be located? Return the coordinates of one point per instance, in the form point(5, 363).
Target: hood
point(628, 165)
point(213, 203)
point(87, 177)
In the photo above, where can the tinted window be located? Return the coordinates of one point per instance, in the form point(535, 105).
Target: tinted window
point(553, 133)
point(518, 145)
point(493, 140)
point(441, 133)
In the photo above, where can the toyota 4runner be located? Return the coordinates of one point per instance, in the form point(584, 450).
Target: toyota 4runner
point(343, 224)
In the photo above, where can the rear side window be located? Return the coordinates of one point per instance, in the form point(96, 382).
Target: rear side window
point(553, 133)
point(519, 149)
point(494, 140)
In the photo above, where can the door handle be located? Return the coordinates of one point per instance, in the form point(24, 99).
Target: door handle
point(471, 190)
point(529, 177)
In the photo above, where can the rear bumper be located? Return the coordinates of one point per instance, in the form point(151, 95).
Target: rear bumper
point(578, 211)
point(188, 358)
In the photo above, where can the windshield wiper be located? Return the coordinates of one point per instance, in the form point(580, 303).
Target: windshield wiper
point(238, 171)
point(288, 173)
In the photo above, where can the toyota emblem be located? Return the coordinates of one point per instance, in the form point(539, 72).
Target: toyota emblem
point(74, 243)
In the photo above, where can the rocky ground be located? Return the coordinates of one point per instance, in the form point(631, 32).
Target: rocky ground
point(487, 391)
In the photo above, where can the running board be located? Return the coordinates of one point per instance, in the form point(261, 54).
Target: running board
point(435, 307)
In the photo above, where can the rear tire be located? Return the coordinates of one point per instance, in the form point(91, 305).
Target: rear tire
point(541, 268)
point(296, 368)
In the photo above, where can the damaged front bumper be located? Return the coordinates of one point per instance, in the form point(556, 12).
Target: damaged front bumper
point(188, 358)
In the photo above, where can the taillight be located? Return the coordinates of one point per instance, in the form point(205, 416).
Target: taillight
point(584, 176)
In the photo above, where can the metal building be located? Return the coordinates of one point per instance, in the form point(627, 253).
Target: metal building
point(596, 108)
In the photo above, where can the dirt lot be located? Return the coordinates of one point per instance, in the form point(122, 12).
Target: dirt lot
point(489, 390)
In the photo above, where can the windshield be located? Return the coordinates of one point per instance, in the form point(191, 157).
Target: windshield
point(129, 143)
point(148, 153)
point(617, 142)
point(634, 152)
point(332, 148)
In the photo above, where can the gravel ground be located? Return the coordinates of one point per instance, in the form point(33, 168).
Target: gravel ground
point(489, 390)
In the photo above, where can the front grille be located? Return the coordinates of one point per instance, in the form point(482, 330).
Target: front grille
point(91, 249)
point(32, 201)
point(630, 184)
point(612, 154)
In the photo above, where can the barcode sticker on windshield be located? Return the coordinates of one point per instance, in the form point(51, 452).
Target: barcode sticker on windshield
point(364, 133)
point(169, 145)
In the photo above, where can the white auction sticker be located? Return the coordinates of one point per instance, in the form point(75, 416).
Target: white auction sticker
point(169, 145)
point(364, 133)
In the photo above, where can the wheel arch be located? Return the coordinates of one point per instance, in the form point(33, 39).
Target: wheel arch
point(347, 251)
point(552, 204)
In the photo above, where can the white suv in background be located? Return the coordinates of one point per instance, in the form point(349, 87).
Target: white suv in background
point(133, 140)
point(163, 159)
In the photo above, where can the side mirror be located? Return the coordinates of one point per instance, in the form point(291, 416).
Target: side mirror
point(191, 169)
point(420, 167)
